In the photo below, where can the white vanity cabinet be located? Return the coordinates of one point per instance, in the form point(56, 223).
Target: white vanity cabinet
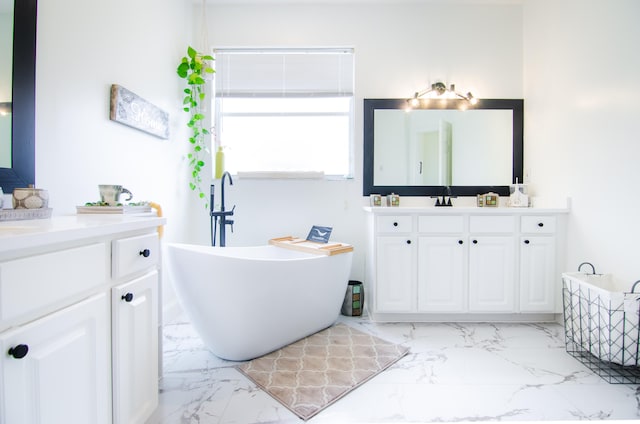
point(427, 264)
point(76, 348)
point(396, 250)
point(538, 276)
point(441, 274)
point(56, 369)
point(134, 318)
point(442, 255)
point(492, 285)
point(491, 263)
point(135, 349)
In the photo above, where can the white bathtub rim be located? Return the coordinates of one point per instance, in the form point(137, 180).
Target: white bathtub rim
point(270, 252)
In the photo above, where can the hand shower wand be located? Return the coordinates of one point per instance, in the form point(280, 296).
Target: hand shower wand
point(214, 218)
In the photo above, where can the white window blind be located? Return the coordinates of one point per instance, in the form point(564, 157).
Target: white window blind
point(285, 110)
point(286, 73)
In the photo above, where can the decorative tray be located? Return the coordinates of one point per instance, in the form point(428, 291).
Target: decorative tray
point(22, 214)
point(125, 209)
point(305, 245)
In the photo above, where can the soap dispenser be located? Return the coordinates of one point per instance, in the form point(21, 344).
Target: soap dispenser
point(518, 196)
point(219, 163)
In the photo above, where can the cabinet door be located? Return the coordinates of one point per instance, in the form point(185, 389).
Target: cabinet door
point(491, 274)
point(396, 270)
point(441, 274)
point(135, 349)
point(65, 375)
point(537, 274)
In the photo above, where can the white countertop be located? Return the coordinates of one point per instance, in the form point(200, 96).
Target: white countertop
point(446, 210)
point(25, 234)
point(465, 205)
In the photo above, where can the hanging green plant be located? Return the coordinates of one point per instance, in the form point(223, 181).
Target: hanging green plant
point(194, 68)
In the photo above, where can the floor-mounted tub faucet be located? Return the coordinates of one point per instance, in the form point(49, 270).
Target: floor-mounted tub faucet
point(223, 214)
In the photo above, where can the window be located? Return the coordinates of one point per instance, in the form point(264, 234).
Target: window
point(285, 110)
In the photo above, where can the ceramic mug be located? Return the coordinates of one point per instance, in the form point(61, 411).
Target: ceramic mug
point(110, 193)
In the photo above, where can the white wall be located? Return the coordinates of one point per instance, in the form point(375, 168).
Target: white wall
point(399, 48)
point(84, 47)
point(574, 61)
point(581, 73)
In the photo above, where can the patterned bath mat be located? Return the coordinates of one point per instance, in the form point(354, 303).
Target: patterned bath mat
point(312, 373)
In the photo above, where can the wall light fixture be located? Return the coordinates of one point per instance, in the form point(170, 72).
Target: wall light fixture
point(439, 90)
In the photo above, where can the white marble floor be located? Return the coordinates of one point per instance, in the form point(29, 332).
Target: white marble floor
point(454, 373)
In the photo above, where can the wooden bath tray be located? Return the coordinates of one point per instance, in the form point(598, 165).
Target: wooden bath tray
point(304, 245)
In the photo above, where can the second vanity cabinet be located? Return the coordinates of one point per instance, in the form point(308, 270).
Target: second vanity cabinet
point(463, 263)
point(79, 320)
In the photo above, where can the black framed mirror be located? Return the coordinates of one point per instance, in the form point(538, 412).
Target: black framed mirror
point(21, 173)
point(442, 144)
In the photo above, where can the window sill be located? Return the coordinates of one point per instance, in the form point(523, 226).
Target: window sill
point(280, 175)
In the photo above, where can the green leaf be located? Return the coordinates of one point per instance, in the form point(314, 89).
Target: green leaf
point(201, 195)
point(200, 163)
point(207, 57)
point(193, 79)
point(201, 95)
point(182, 70)
point(210, 70)
point(192, 185)
point(191, 52)
point(186, 109)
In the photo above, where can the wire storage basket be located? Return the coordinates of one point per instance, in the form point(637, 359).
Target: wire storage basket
point(602, 327)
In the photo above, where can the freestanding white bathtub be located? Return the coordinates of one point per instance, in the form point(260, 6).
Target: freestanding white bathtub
point(248, 301)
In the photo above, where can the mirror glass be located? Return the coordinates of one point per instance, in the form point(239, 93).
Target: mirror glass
point(17, 146)
point(6, 60)
point(421, 151)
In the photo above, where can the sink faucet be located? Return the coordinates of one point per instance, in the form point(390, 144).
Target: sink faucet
point(446, 197)
point(223, 214)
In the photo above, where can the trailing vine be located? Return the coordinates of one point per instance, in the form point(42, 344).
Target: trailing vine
point(194, 68)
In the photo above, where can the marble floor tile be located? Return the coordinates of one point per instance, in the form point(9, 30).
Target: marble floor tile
point(455, 372)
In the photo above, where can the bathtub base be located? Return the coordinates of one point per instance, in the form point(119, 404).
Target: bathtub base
point(245, 302)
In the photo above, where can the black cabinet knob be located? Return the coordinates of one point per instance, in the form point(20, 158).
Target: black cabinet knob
point(526, 242)
point(475, 242)
point(145, 253)
point(127, 297)
point(19, 351)
point(540, 224)
point(408, 241)
point(460, 242)
point(395, 224)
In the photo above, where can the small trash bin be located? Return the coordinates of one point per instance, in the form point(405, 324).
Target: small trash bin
point(353, 299)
